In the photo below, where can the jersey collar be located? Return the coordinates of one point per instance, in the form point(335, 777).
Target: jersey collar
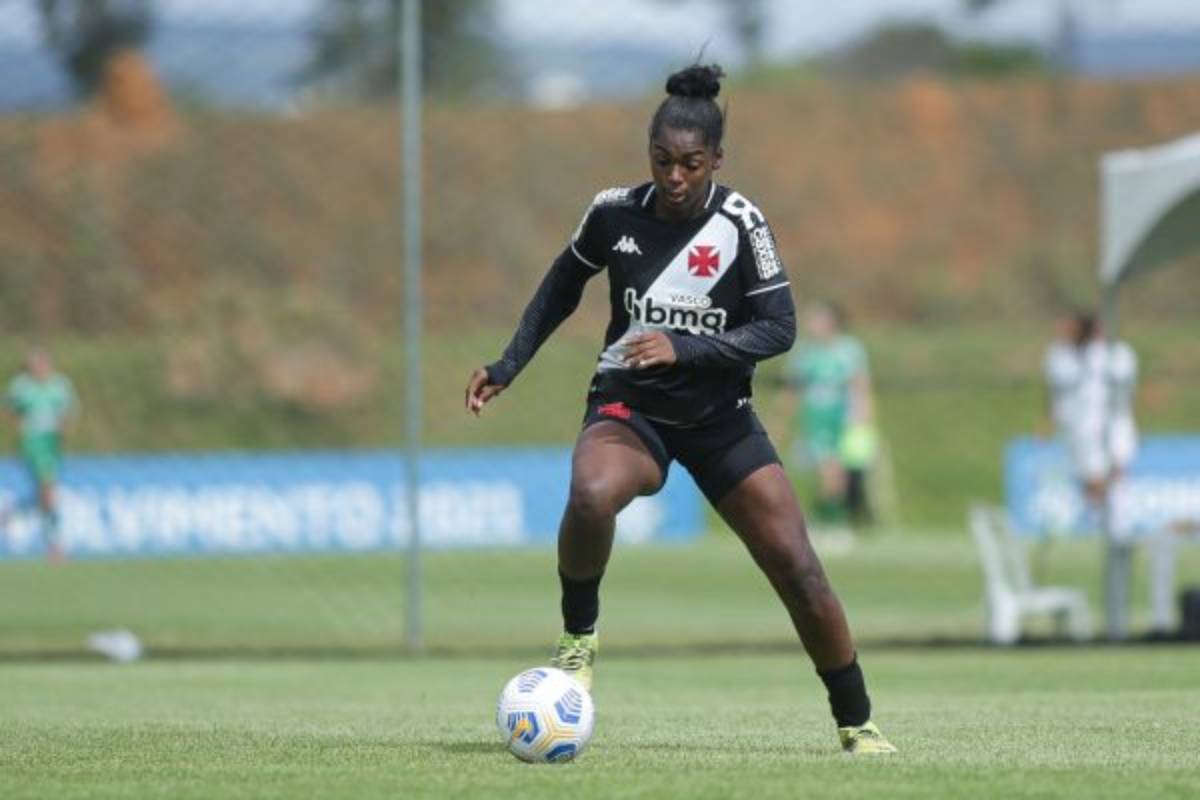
point(712, 191)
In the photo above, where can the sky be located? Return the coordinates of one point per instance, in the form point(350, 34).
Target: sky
point(805, 26)
point(796, 27)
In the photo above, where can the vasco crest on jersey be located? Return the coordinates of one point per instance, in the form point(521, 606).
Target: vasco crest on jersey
point(704, 260)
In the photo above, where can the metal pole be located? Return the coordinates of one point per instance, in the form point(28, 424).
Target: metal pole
point(1118, 560)
point(410, 116)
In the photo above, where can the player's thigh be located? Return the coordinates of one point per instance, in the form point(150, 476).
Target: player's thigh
point(764, 512)
point(43, 471)
point(833, 475)
point(1122, 442)
point(612, 464)
point(763, 502)
point(1090, 457)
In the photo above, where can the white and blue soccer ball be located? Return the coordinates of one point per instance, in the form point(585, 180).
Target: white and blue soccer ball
point(545, 716)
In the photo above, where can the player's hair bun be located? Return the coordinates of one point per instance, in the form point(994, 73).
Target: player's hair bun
point(698, 80)
point(690, 104)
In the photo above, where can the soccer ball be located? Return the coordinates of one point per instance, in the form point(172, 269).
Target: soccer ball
point(545, 716)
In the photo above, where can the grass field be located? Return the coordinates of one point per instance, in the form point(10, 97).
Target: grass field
point(896, 587)
point(283, 678)
point(1087, 723)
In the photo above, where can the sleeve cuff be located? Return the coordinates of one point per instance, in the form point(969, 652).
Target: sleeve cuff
point(683, 346)
point(499, 375)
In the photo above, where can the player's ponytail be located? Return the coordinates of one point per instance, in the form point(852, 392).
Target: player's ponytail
point(691, 104)
point(696, 81)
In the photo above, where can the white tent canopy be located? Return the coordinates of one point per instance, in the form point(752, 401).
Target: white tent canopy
point(1150, 207)
point(1150, 216)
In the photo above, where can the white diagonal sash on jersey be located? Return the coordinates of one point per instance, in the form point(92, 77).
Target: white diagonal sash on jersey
point(677, 286)
point(677, 279)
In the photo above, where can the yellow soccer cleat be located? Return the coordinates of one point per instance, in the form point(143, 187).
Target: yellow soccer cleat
point(575, 655)
point(864, 740)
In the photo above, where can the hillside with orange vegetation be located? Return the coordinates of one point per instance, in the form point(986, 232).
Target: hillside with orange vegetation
point(918, 200)
point(219, 279)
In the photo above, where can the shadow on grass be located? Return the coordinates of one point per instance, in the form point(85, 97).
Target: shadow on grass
point(465, 748)
point(484, 748)
point(690, 747)
point(629, 651)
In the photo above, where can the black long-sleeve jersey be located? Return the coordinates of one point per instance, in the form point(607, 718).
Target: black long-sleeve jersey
point(713, 283)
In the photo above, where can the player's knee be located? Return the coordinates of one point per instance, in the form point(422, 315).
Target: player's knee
point(595, 496)
point(794, 568)
point(812, 587)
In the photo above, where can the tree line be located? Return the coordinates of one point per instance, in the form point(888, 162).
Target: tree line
point(355, 47)
point(354, 43)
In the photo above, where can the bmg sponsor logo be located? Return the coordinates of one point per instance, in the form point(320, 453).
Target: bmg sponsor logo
point(657, 314)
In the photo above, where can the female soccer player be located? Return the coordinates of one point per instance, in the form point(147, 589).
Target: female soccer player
point(698, 297)
point(43, 402)
point(829, 372)
point(1092, 381)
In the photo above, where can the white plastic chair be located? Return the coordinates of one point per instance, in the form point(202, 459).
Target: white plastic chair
point(1009, 593)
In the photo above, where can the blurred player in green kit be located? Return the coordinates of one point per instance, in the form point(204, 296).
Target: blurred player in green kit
point(829, 372)
point(43, 404)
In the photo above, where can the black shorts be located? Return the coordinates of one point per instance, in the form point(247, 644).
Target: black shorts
point(719, 453)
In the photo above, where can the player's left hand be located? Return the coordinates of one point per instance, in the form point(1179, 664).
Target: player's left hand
point(650, 349)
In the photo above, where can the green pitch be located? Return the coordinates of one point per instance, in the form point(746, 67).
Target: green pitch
point(701, 690)
point(1090, 723)
point(709, 594)
point(705, 594)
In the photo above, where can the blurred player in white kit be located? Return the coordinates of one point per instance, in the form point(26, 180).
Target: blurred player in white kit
point(1091, 382)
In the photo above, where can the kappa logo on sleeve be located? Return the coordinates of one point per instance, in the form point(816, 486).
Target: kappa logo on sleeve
point(609, 197)
point(627, 245)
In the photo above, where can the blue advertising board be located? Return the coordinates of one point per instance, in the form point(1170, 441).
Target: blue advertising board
point(1161, 489)
point(345, 501)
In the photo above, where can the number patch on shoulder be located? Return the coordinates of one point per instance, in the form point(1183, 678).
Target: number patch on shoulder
point(738, 206)
point(766, 257)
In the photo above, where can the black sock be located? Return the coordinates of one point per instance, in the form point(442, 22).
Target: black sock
point(847, 694)
point(580, 603)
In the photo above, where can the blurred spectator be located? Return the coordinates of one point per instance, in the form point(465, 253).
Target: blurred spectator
point(1091, 382)
point(833, 422)
point(43, 404)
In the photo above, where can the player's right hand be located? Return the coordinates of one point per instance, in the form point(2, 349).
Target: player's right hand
point(480, 391)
